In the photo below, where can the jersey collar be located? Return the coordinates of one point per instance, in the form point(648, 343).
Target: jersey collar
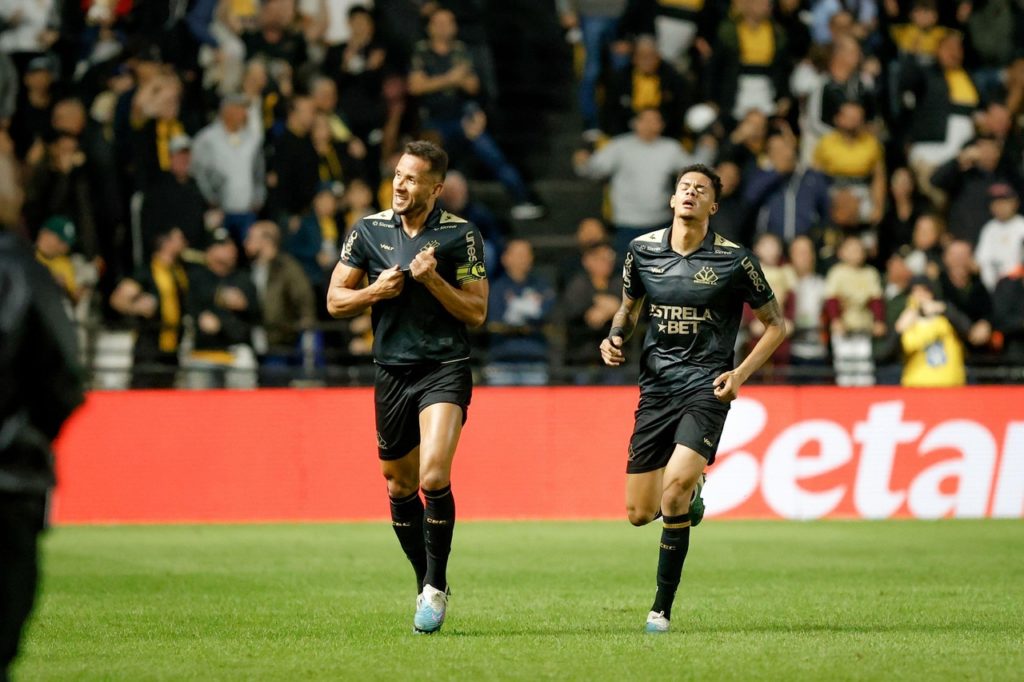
point(707, 244)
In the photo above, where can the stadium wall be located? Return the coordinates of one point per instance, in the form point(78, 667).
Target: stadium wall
point(787, 452)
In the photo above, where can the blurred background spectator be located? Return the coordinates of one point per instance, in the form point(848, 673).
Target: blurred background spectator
point(140, 130)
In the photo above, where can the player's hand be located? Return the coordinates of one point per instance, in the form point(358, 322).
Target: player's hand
point(727, 386)
point(611, 351)
point(145, 305)
point(390, 282)
point(424, 265)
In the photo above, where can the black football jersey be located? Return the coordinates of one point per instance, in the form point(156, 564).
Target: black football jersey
point(414, 327)
point(694, 304)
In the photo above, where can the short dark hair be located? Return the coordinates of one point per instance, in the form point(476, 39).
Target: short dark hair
point(432, 154)
point(706, 171)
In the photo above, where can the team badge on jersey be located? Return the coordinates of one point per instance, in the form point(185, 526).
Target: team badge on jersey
point(706, 276)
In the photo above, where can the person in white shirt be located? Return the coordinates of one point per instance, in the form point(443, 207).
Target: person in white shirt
point(1000, 240)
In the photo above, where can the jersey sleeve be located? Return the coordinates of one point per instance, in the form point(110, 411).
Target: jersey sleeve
point(749, 280)
point(469, 257)
point(354, 253)
point(632, 285)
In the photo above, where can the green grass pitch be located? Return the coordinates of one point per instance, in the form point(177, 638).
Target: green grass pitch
point(532, 600)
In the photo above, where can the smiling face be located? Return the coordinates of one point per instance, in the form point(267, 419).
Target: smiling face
point(415, 186)
point(694, 199)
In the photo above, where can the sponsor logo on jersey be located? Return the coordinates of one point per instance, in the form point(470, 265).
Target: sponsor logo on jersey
point(706, 275)
point(678, 319)
point(755, 277)
point(470, 272)
point(346, 250)
point(627, 270)
point(386, 247)
point(471, 247)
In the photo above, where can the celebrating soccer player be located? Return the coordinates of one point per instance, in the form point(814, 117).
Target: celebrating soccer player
point(695, 283)
point(428, 285)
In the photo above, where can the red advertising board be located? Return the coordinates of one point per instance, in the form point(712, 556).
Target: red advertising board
point(799, 453)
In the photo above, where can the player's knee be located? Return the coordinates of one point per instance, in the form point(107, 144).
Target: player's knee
point(434, 480)
point(400, 486)
point(639, 516)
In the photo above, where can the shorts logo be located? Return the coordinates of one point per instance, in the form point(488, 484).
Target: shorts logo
point(754, 275)
point(705, 276)
point(707, 441)
point(631, 453)
point(381, 443)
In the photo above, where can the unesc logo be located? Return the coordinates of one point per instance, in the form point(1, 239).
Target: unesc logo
point(754, 275)
point(706, 276)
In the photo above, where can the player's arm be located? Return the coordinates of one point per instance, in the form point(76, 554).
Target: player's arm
point(345, 299)
point(623, 324)
point(727, 385)
point(467, 303)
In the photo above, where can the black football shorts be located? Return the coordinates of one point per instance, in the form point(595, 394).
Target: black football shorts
point(693, 418)
point(401, 392)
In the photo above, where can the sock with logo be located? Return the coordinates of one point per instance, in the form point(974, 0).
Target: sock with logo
point(438, 528)
point(407, 520)
point(675, 541)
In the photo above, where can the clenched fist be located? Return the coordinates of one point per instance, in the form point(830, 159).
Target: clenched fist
point(423, 266)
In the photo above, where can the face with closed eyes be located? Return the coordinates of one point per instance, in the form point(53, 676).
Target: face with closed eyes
point(694, 198)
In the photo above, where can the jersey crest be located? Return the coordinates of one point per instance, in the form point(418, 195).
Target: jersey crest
point(706, 275)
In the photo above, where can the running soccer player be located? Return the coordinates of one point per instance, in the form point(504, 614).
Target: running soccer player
point(428, 285)
point(695, 283)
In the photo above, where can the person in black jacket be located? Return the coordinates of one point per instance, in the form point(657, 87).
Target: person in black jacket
point(40, 386)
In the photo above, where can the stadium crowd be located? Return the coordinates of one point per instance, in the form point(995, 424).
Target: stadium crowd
point(190, 169)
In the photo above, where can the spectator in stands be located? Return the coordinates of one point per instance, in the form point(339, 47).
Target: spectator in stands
point(327, 21)
point(747, 142)
point(786, 198)
point(455, 197)
point(647, 83)
point(356, 203)
point(315, 242)
point(221, 53)
point(918, 39)
point(598, 24)
point(154, 298)
point(854, 312)
point(294, 174)
point(641, 167)
point(961, 287)
point(750, 67)
point(937, 101)
point(807, 342)
point(864, 19)
point(227, 163)
point(8, 91)
point(335, 165)
point(324, 94)
point(905, 205)
point(175, 201)
point(992, 33)
point(781, 277)
point(591, 299)
point(590, 231)
point(845, 80)
point(925, 255)
point(444, 78)
point(58, 185)
point(156, 119)
point(1008, 311)
point(223, 305)
point(357, 65)
point(933, 354)
point(275, 37)
point(520, 307)
point(852, 157)
point(284, 295)
point(733, 219)
point(54, 242)
point(997, 246)
point(29, 122)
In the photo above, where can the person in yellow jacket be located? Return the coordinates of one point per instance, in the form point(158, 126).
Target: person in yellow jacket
point(933, 353)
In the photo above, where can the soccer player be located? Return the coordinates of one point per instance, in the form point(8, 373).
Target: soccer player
point(695, 283)
point(428, 284)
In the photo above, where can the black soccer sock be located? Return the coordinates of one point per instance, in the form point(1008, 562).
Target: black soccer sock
point(407, 520)
point(438, 528)
point(675, 541)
